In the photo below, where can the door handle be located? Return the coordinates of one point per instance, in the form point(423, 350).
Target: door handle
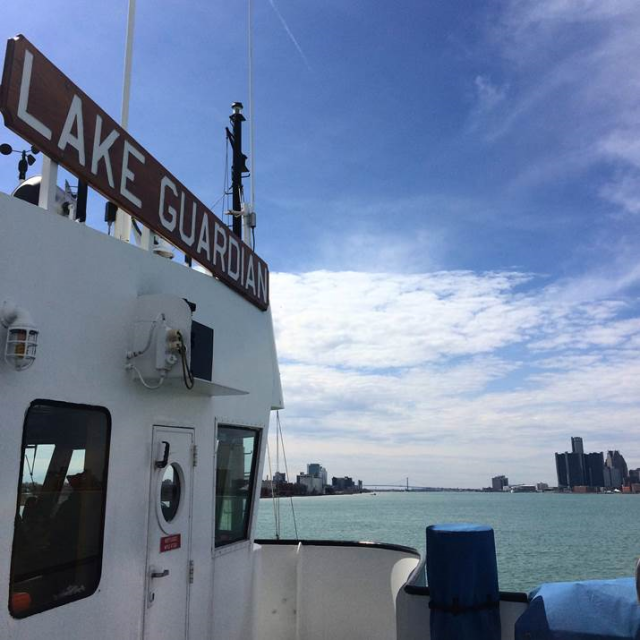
point(160, 574)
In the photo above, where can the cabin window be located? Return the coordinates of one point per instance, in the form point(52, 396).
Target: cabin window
point(237, 455)
point(59, 523)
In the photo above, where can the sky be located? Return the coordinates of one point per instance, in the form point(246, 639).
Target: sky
point(448, 197)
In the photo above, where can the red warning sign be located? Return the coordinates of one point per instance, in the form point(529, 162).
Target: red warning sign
point(169, 543)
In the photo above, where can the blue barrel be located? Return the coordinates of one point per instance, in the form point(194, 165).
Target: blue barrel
point(462, 574)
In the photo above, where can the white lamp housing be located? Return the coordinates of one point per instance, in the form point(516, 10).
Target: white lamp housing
point(22, 336)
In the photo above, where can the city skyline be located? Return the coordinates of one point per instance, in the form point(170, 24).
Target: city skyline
point(448, 197)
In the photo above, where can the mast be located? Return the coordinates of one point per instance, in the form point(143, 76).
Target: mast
point(239, 165)
point(122, 229)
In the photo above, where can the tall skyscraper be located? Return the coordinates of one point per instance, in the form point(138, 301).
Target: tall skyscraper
point(615, 460)
point(595, 469)
point(561, 470)
point(576, 469)
point(576, 445)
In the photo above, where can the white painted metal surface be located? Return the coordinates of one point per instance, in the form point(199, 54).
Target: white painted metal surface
point(169, 538)
point(314, 592)
point(83, 287)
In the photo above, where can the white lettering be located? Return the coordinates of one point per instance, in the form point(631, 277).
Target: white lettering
point(262, 283)
point(203, 241)
point(192, 236)
point(74, 118)
point(251, 278)
point(101, 151)
point(168, 223)
point(220, 249)
point(234, 272)
point(23, 100)
point(127, 174)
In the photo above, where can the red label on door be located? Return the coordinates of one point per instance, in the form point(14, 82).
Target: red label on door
point(169, 543)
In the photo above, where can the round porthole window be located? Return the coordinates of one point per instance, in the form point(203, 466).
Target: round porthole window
point(170, 492)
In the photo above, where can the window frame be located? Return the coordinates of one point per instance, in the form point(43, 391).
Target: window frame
point(222, 546)
point(107, 451)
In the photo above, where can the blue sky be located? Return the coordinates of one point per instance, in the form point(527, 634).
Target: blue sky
point(448, 196)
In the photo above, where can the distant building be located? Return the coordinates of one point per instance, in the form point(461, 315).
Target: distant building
point(575, 469)
point(316, 470)
point(499, 483)
point(523, 488)
point(615, 460)
point(279, 477)
point(595, 469)
point(577, 445)
point(313, 484)
point(561, 470)
point(542, 486)
point(580, 469)
point(343, 484)
point(612, 478)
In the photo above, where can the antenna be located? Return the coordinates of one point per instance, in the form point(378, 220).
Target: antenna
point(123, 220)
point(252, 153)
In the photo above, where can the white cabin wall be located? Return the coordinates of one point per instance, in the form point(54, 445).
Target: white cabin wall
point(81, 288)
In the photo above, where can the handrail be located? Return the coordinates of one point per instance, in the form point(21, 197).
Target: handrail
point(365, 544)
point(419, 575)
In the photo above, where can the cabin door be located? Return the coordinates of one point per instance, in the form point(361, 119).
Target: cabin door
point(168, 547)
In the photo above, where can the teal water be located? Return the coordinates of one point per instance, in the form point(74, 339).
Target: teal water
point(540, 537)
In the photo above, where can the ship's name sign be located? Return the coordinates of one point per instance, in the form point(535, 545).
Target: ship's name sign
point(44, 107)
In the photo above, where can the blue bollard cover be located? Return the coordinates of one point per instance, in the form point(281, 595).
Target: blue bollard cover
point(462, 574)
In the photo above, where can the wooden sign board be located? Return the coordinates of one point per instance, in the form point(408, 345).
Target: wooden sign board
point(44, 107)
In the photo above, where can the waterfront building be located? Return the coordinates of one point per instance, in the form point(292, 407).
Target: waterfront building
point(612, 478)
point(579, 469)
point(523, 488)
point(595, 469)
point(499, 483)
point(615, 460)
point(313, 484)
point(542, 486)
point(575, 469)
point(343, 484)
point(561, 470)
point(279, 478)
point(316, 470)
point(577, 445)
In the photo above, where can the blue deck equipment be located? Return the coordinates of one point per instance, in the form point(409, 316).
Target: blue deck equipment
point(462, 574)
point(590, 610)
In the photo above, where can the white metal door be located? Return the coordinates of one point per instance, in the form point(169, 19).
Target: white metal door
point(169, 565)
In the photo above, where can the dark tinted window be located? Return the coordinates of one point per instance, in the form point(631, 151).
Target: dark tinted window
point(57, 543)
point(235, 481)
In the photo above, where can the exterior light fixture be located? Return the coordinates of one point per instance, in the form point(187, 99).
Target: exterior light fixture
point(22, 336)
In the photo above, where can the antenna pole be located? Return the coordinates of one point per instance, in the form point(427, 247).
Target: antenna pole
point(122, 229)
point(252, 153)
point(238, 166)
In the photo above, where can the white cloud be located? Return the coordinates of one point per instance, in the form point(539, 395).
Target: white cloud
point(451, 377)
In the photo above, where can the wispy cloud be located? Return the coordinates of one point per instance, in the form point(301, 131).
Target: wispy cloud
point(288, 31)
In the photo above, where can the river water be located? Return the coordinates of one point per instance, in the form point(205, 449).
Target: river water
point(540, 537)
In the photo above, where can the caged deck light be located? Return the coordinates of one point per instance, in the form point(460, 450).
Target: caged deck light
point(22, 336)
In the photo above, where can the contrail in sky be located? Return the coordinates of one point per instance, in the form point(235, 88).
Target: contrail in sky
point(293, 38)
